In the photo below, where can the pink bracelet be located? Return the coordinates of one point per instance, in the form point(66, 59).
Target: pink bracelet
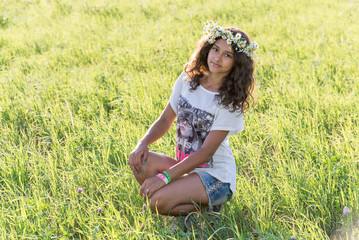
point(162, 177)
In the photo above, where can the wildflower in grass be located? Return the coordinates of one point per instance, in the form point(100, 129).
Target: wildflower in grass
point(99, 210)
point(106, 201)
point(293, 237)
point(79, 190)
point(142, 226)
point(122, 212)
point(144, 207)
point(346, 210)
point(90, 128)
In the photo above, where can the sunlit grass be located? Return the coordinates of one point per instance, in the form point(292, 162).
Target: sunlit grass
point(81, 81)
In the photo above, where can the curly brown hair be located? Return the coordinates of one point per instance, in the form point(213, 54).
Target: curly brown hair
point(237, 87)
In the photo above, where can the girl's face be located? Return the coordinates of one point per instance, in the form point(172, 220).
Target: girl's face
point(220, 57)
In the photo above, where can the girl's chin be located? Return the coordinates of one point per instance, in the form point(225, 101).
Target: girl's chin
point(217, 71)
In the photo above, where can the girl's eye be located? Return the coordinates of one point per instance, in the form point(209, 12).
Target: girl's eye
point(215, 49)
point(228, 55)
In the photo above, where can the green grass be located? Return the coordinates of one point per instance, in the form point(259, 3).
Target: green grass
point(66, 66)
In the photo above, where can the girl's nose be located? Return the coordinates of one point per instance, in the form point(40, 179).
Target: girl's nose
point(216, 59)
point(219, 57)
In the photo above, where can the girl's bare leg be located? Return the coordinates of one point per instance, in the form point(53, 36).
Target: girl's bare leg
point(181, 196)
point(185, 194)
point(156, 163)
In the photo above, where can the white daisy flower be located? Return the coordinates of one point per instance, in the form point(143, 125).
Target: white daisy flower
point(213, 31)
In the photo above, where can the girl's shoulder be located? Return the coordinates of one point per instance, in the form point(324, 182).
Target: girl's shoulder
point(182, 81)
point(184, 77)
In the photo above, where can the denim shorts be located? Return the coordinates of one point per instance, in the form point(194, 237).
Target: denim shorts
point(218, 192)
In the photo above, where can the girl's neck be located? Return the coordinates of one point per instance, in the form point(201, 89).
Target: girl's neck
point(211, 82)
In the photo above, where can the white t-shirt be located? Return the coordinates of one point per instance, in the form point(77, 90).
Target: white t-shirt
point(198, 112)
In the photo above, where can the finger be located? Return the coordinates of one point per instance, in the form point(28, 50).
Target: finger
point(142, 162)
point(137, 170)
point(144, 186)
point(145, 189)
point(152, 191)
point(135, 164)
point(142, 190)
point(132, 161)
point(148, 193)
point(139, 165)
point(145, 193)
point(133, 169)
point(130, 158)
point(145, 157)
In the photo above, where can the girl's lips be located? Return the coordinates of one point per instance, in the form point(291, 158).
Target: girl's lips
point(182, 128)
point(214, 64)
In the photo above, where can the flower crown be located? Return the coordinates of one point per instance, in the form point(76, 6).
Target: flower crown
point(213, 31)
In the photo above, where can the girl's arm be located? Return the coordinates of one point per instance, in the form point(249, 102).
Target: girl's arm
point(156, 131)
point(202, 155)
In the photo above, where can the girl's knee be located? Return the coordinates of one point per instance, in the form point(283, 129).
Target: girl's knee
point(155, 203)
point(160, 204)
point(160, 161)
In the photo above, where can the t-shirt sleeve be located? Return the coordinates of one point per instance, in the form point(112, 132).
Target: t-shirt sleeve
point(177, 89)
point(228, 121)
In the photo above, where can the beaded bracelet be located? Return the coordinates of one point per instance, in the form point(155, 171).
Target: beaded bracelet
point(167, 175)
point(162, 177)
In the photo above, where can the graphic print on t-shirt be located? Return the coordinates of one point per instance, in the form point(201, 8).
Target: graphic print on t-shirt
point(193, 126)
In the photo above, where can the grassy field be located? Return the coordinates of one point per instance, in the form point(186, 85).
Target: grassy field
point(81, 81)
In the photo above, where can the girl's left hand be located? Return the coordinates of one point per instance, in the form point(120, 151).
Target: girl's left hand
point(151, 185)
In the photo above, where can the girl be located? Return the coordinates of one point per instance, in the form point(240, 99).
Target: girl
point(209, 99)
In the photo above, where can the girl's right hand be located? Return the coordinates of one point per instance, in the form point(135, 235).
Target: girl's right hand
point(138, 158)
